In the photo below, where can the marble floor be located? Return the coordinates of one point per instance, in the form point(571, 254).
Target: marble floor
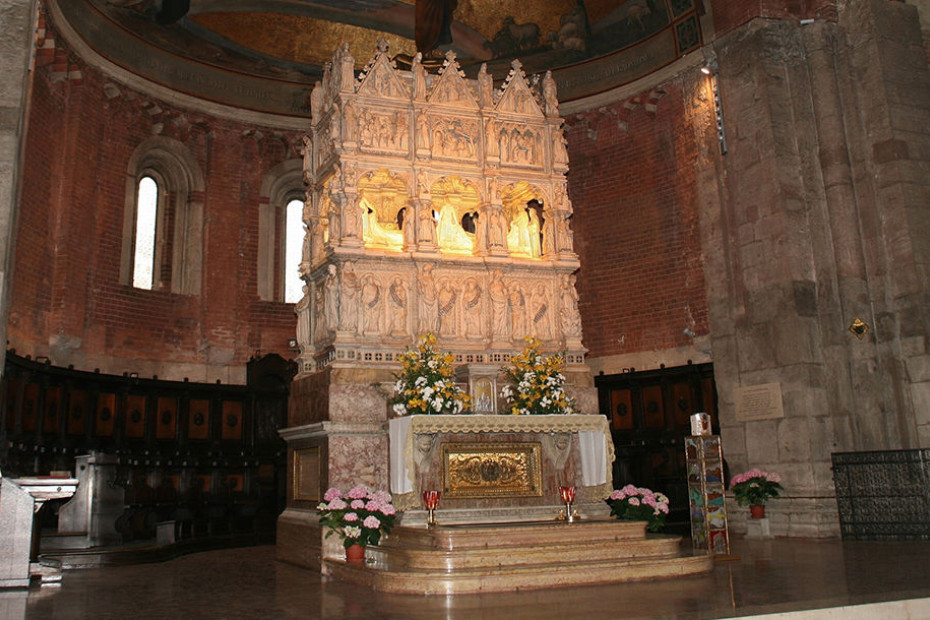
point(764, 577)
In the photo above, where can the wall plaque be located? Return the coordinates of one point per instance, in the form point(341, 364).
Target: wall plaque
point(306, 474)
point(491, 469)
point(758, 402)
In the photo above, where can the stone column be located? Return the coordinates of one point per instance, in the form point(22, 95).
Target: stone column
point(18, 19)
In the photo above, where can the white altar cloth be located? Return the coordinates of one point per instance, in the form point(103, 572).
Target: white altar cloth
point(595, 444)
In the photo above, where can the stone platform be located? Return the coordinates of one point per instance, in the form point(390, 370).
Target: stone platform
point(463, 559)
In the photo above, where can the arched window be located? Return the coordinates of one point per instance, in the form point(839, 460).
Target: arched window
point(163, 222)
point(294, 232)
point(143, 258)
point(281, 233)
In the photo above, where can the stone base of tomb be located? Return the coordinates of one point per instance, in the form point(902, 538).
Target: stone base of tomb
point(500, 557)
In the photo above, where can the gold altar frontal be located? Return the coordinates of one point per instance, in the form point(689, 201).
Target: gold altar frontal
point(499, 557)
point(494, 468)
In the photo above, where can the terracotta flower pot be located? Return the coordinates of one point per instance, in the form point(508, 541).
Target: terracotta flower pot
point(757, 512)
point(355, 554)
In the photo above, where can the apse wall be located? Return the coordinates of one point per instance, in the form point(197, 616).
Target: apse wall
point(632, 185)
point(69, 301)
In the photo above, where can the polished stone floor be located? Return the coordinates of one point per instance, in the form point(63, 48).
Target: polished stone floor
point(764, 577)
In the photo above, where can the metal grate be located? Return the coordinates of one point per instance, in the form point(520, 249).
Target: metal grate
point(883, 495)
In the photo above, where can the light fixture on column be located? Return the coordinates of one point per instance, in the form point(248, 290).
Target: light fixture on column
point(859, 328)
point(710, 69)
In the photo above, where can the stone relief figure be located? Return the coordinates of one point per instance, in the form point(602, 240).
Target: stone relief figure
point(352, 221)
point(346, 69)
point(350, 121)
point(517, 302)
point(450, 234)
point(422, 129)
point(472, 309)
point(497, 293)
point(397, 312)
point(302, 310)
point(331, 298)
point(426, 234)
point(307, 152)
point(485, 87)
point(419, 77)
point(320, 333)
point(571, 320)
point(428, 310)
point(559, 149)
point(331, 234)
point(481, 231)
point(496, 227)
point(448, 296)
point(377, 233)
point(563, 230)
point(493, 137)
point(550, 97)
point(548, 236)
point(541, 316)
point(371, 304)
point(348, 300)
point(523, 236)
point(408, 225)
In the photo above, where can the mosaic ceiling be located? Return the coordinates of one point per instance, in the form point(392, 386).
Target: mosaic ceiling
point(591, 44)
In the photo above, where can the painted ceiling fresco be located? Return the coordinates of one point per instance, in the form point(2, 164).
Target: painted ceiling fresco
point(590, 44)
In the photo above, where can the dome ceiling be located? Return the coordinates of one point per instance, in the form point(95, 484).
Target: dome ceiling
point(590, 44)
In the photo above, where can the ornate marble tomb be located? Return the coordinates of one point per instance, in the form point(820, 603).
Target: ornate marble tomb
point(436, 204)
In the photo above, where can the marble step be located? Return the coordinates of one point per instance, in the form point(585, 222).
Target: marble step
point(400, 557)
point(487, 557)
point(387, 578)
point(526, 534)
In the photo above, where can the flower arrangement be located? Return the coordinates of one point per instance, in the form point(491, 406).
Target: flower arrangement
point(360, 516)
point(639, 504)
point(426, 385)
point(755, 487)
point(537, 385)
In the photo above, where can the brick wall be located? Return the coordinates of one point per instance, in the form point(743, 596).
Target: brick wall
point(67, 300)
point(641, 283)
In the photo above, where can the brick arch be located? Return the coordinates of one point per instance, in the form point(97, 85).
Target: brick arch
point(179, 228)
point(280, 185)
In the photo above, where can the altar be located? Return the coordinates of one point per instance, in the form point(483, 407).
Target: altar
point(499, 467)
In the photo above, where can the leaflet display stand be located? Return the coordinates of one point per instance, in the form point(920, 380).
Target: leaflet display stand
point(706, 494)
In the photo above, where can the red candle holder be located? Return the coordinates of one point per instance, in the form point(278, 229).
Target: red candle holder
point(567, 493)
point(431, 501)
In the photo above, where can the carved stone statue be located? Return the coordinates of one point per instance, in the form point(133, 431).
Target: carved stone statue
point(419, 77)
point(523, 236)
point(348, 302)
point(541, 316)
point(450, 234)
point(571, 321)
point(331, 298)
point(425, 224)
point(428, 310)
point(497, 292)
point(550, 98)
point(517, 313)
point(448, 296)
point(485, 87)
point(472, 309)
point(371, 304)
point(397, 313)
